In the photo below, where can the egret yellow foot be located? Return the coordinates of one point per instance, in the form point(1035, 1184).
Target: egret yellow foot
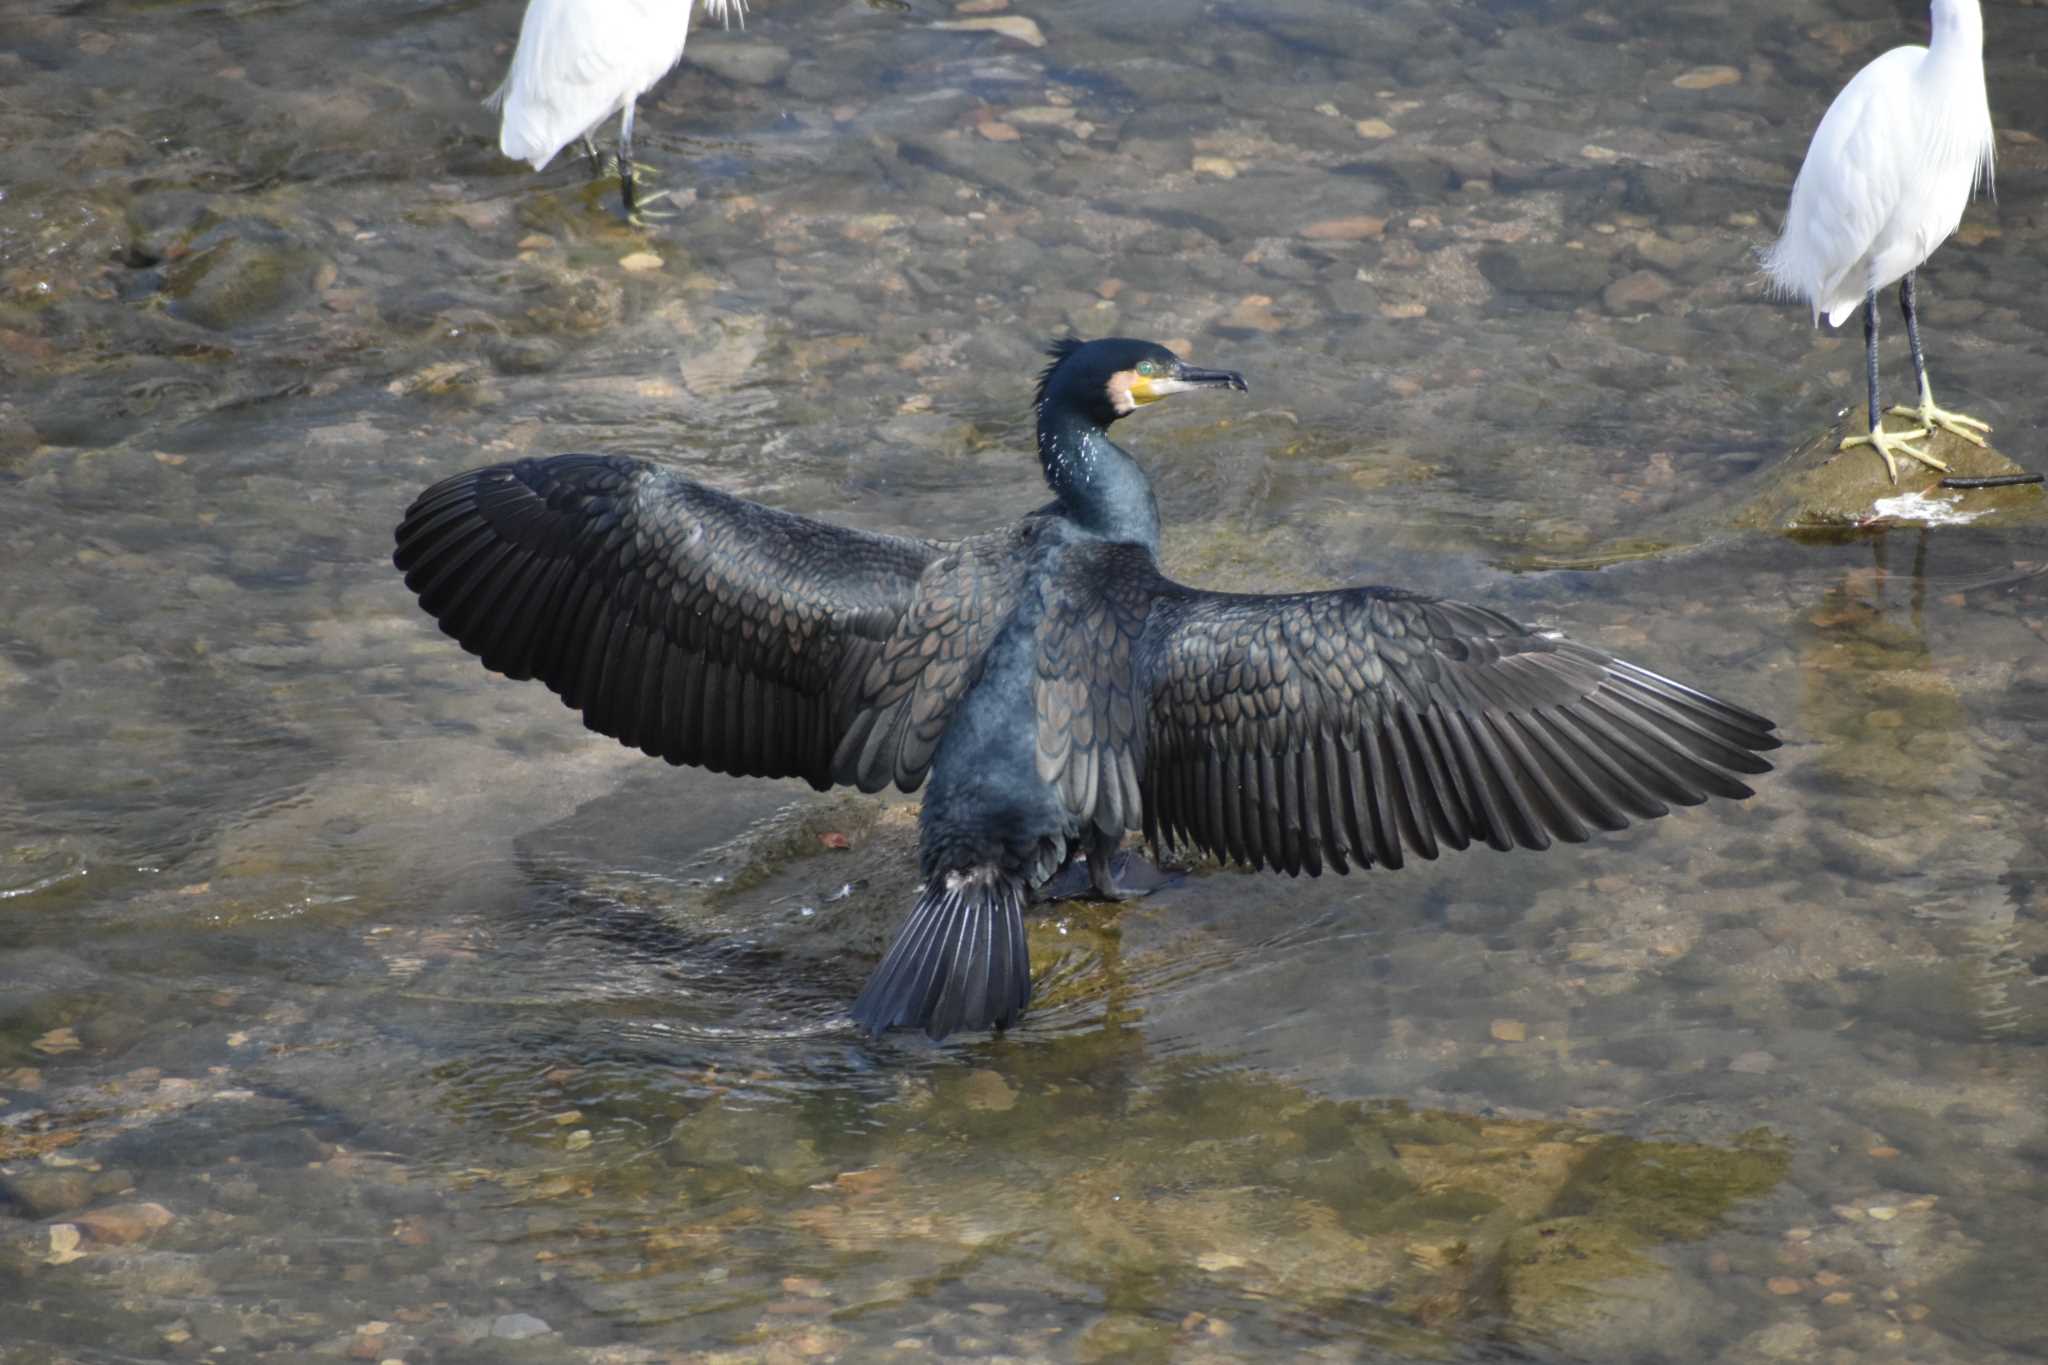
point(629, 175)
point(640, 213)
point(1930, 416)
point(1892, 444)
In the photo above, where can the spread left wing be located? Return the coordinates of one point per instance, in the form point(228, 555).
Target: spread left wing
point(1356, 726)
point(1359, 725)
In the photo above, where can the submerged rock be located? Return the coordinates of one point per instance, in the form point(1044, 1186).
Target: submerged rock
point(18, 436)
point(518, 1326)
point(41, 1192)
point(1821, 487)
point(1546, 272)
point(241, 271)
point(741, 61)
point(120, 1224)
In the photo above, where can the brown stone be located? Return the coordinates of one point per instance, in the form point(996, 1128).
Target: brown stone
point(1634, 292)
point(120, 1224)
point(1708, 77)
point(1357, 228)
point(44, 1193)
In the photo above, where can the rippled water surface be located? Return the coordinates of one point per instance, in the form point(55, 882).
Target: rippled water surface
point(355, 1003)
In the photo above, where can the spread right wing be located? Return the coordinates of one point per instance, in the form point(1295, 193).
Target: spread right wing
point(703, 628)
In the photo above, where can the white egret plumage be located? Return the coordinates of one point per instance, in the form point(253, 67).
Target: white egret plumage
point(581, 61)
point(1884, 183)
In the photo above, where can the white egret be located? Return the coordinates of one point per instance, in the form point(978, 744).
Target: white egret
point(581, 61)
point(1884, 183)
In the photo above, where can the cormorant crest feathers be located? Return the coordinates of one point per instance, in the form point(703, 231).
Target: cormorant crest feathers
point(1059, 350)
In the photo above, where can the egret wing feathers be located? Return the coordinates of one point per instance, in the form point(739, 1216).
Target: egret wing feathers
point(1848, 190)
point(579, 62)
point(1889, 171)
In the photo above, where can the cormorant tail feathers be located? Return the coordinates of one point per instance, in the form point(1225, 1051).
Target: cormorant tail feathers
point(961, 960)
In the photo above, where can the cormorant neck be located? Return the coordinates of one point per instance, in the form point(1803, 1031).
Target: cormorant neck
point(1099, 486)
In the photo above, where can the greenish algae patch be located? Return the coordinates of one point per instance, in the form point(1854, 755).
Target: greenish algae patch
point(1603, 556)
point(1203, 1185)
point(1670, 1191)
point(1622, 1199)
point(240, 272)
point(1127, 1337)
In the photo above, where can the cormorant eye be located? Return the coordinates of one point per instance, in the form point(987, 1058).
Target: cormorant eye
point(1146, 369)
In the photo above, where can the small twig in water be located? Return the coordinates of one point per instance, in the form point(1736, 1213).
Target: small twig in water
point(1990, 480)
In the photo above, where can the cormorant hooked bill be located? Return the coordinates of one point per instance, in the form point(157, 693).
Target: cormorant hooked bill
point(1055, 686)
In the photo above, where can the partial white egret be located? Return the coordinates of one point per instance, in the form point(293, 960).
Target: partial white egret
point(1885, 182)
point(581, 61)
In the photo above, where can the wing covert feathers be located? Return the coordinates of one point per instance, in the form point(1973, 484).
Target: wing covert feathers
point(1087, 694)
point(905, 697)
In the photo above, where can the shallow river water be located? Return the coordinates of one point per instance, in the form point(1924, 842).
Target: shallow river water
point(357, 1004)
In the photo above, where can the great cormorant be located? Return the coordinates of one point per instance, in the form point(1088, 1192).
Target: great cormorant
point(1054, 685)
point(1884, 183)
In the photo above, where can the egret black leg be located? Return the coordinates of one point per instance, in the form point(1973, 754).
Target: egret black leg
point(1913, 332)
point(626, 158)
point(1928, 414)
point(1890, 445)
point(595, 157)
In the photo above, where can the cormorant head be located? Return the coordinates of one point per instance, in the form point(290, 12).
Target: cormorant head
point(1114, 377)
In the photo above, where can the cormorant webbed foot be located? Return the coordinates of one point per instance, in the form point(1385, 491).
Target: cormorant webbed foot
point(1117, 876)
